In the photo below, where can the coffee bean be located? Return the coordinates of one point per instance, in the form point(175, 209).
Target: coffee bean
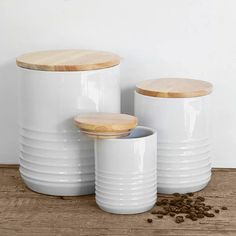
point(217, 211)
point(194, 218)
point(172, 214)
point(200, 215)
point(179, 219)
point(164, 201)
point(192, 213)
point(160, 216)
point(207, 214)
point(224, 208)
point(190, 194)
point(189, 200)
point(149, 220)
point(177, 211)
point(176, 194)
point(202, 199)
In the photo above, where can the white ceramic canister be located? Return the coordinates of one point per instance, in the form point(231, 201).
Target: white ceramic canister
point(178, 109)
point(55, 86)
point(125, 167)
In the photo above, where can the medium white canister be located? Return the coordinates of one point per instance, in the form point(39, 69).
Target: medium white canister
point(55, 86)
point(125, 162)
point(178, 110)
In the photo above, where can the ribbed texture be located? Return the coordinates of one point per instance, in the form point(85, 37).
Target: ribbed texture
point(131, 192)
point(57, 163)
point(183, 167)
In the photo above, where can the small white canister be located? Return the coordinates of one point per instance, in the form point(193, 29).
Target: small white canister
point(55, 86)
point(178, 110)
point(125, 166)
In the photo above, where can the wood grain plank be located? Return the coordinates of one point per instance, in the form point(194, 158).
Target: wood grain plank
point(23, 212)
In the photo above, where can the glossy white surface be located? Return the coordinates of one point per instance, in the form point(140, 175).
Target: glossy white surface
point(183, 143)
point(55, 157)
point(50, 100)
point(125, 172)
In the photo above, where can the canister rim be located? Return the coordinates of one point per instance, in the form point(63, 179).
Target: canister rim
point(68, 60)
point(174, 88)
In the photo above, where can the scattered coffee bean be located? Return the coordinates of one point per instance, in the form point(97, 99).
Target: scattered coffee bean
point(207, 214)
point(187, 205)
point(207, 208)
point(200, 215)
point(149, 220)
point(189, 200)
point(202, 199)
point(179, 219)
point(164, 201)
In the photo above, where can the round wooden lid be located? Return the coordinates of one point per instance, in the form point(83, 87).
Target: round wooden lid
point(106, 125)
point(174, 88)
point(68, 60)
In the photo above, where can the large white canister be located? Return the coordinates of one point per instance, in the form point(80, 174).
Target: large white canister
point(54, 87)
point(178, 110)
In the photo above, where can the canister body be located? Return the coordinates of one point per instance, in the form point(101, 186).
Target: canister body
point(125, 172)
point(183, 143)
point(56, 158)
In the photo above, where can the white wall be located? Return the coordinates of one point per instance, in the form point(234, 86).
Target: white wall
point(156, 38)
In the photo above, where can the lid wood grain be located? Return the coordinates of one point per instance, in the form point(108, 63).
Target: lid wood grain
point(174, 88)
point(68, 60)
point(106, 125)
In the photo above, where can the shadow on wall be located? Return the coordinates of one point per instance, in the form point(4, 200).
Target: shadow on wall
point(127, 100)
point(8, 114)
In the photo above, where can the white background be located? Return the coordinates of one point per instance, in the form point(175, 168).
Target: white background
point(156, 38)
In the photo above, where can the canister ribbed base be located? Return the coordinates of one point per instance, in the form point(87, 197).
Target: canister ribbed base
point(126, 194)
point(60, 164)
point(183, 167)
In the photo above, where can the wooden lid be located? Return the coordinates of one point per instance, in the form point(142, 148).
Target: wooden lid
point(68, 60)
point(174, 88)
point(106, 125)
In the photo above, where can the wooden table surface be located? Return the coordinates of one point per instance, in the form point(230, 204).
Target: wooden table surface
point(26, 213)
